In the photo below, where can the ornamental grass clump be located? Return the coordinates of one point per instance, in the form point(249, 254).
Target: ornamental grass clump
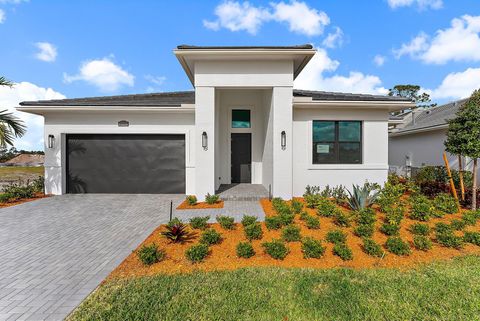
point(197, 253)
point(343, 251)
point(372, 248)
point(422, 243)
point(226, 222)
point(253, 231)
point(245, 250)
point(199, 223)
point(312, 248)
point(150, 254)
point(291, 233)
point(210, 236)
point(276, 249)
point(397, 246)
point(336, 236)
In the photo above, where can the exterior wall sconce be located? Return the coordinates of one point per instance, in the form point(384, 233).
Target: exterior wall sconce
point(204, 140)
point(283, 140)
point(51, 141)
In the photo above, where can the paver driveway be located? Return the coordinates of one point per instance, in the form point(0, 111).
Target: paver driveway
point(55, 251)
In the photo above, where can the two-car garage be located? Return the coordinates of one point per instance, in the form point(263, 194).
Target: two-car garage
point(125, 163)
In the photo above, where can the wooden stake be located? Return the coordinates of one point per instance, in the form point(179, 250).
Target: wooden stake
point(452, 185)
point(460, 174)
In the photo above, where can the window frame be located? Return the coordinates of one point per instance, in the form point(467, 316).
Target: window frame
point(336, 142)
point(232, 120)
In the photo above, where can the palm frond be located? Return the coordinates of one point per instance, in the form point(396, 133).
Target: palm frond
point(11, 127)
point(5, 82)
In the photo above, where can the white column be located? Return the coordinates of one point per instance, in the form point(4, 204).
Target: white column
point(204, 157)
point(282, 101)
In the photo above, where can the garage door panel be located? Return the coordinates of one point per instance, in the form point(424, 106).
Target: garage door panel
point(100, 163)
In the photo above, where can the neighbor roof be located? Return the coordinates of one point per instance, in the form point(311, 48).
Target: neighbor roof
point(305, 46)
point(177, 98)
point(432, 118)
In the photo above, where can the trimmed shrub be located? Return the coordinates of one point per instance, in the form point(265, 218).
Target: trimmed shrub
point(312, 200)
point(457, 225)
point(312, 222)
point(17, 191)
point(312, 248)
point(445, 203)
point(472, 237)
point(442, 228)
point(420, 229)
point(210, 237)
point(273, 222)
point(422, 208)
point(212, 199)
point(390, 229)
point(372, 248)
point(276, 249)
point(245, 250)
point(326, 208)
point(199, 223)
point(286, 218)
point(364, 230)
point(336, 236)
point(226, 222)
point(470, 217)
point(390, 195)
point(448, 239)
point(422, 243)
point(394, 215)
point(304, 215)
point(150, 254)
point(340, 218)
point(343, 251)
point(174, 221)
point(197, 253)
point(281, 207)
point(366, 216)
point(191, 200)
point(291, 233)
point(397, 246)
point(253, 232)
point(5, 197)
point(248, 220)
point(297, 206)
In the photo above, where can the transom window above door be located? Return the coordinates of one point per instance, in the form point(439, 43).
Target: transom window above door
point(241, 118)
point(337, 142)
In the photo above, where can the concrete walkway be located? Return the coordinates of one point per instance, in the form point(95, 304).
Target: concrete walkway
point(55, 251)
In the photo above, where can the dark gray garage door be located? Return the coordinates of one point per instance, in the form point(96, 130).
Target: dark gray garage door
point(137, 164)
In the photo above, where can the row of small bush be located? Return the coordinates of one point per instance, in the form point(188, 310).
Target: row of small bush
point(201, 222)
point(15, 192)
point(209, 199)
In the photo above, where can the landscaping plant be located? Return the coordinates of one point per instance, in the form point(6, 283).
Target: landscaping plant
point(248, 220)
point(366, 216)
point(449, 239)
point(291, 233)
point(312, 222)
point(191, 200)
point(472, 237)
point(372, 248)
point(212, 199)
point(210, 236)
point(340, 218)
point(422, 208)
point(397, 246)
point(297, 206)
point(253, 231)
point(197, 253)
point(420, 229)
point(390, 229)
point(457, 225)
point(286, 217)
point(470, 218)
point(364, 230)
point(441, 228)
point(343, 251)
point(390, 195)
point(312, 248)
point(199, 223)
point(273, 222)
point(226, 222)
point(325, 207)
point(245, 250)
point(394, 214)
point(176, 232)
point(150, 254)
point(362, 197)
point(276, 249)
point(336, 236)
point(422, 243)
point(445, 204)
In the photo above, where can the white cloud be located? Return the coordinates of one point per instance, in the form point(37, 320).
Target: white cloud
point(458, 85)
point(12, 1)
point(379, 60)
point(421, 4)
point(459, 42)
point(2, 16)
point(299, 17)
point(156, 80)
point(47, 52)
point(102, 73)
point(334, 39)
point(313, 77)
point(11, 97)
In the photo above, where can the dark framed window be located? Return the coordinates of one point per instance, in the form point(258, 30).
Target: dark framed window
point(337, 142)
point(241, 118)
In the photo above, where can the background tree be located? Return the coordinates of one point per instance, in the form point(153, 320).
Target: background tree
point(463, 136)
point(412, 92)
point(10, 126)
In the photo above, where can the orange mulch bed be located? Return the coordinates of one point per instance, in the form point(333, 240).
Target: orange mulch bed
point(24, 200)
point(199, 205)
point(223, 256)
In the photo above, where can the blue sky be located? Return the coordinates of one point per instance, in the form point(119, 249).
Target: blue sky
point(55, 49)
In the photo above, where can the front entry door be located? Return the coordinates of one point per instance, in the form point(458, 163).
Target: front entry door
point(241, 158)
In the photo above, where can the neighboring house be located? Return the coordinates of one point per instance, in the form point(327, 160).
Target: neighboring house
point(418, 140)
point(29, 160)
point(244, 123)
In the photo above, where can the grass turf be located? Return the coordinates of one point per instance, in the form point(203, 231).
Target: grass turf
point(439, 291)
point(12, 172)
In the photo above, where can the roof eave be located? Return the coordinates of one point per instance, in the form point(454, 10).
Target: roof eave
point(419, 130)
point(386, 104)
point(41, 110)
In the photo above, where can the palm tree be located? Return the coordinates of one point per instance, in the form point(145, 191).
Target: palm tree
point(10, 125)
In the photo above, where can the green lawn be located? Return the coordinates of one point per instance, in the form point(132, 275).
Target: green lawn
point(20, 173)
point(440, 291)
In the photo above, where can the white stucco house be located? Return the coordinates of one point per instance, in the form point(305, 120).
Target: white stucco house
point(243, 123)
